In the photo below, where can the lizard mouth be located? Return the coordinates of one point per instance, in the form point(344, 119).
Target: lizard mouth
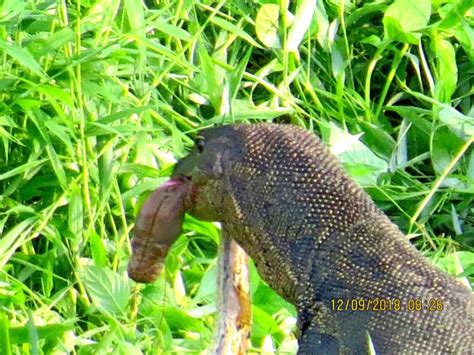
point(176, 180)
point(192, 192)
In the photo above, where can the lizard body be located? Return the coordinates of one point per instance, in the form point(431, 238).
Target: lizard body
point(319, 241)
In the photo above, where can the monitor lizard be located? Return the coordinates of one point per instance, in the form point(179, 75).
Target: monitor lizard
point(320, 242)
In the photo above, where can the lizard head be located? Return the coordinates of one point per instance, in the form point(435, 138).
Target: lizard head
point(215, 153)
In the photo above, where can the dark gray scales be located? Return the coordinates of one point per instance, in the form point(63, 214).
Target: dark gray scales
point(317, 237)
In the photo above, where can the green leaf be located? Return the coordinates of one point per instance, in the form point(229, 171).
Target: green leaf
point(4, 335)
point(56, 164)
point(267, 24)
point(173, 31)
point(235, 76)
point(208, 286)
point(454, 13)
point(24, 168)
point(263, 323)
point(230, 27)
point(470, 167)
point(57, 93)
point(212, 86)
point(446, 68)
point(109, 291)
point(461, 125)
point(12, 9)
point(394, 32)
point(33, 338)
point(322, 22)
point(378, 138)
point(403, 18)
point(460, 262)
point(19, 335)
point(98, 252)
point(39, 117)
point(106, 169)
point(22, 56)
point(269, 301)
point(465, 36)
point(135, 16)
point(63, 133)
point(12, 239)
point(47, 46)
point(338, 63)
point(139, 170)
point(181, 321)
point(444, 147)
point(300, 26)
point(60, 38)
point(244, 110)
point(363, 165)
point(415, 115)
point(75, 212)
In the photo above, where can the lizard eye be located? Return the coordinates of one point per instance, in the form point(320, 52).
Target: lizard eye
point(199, 143)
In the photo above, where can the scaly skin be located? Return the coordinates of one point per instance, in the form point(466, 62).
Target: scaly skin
point(320, 242)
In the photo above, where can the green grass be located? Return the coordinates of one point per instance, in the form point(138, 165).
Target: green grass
point(98, 99)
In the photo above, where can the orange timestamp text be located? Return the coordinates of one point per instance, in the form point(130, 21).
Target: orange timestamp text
point(386, 305)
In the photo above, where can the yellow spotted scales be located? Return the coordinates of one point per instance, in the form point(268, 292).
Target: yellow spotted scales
point(323, 245)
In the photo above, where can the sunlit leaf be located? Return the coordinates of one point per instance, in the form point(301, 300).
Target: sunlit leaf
point(304, 15)
point(403, 26)
point(267, 25)
point(446, 69)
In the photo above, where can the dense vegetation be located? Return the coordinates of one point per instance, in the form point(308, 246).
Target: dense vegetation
point(98, 99)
